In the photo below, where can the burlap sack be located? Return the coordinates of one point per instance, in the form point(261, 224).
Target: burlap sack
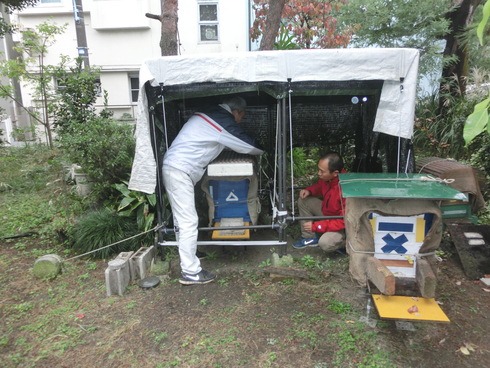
point(359, 233)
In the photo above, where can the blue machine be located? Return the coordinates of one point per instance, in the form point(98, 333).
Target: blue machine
point(230, 199)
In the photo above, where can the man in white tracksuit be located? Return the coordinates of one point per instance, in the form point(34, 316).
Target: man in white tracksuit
point(199, 142)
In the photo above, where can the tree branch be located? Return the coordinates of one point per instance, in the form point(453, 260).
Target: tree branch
point(30, 113)
point(153, 16)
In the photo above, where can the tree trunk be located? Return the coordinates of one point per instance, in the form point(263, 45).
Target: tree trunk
point(169, 18)
point(460, 19)
point(272, 24)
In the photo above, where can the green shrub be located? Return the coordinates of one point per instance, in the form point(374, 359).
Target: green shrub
point(138, 205)
point(104, 149)
point(441, 135)
point(480, 152)
point(100, 228)
point(75, 102)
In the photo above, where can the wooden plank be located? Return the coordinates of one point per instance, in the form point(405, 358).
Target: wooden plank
point(426, 279)
point(380, 276)
point(409, 308)
point(396, 263)
point(222, 233)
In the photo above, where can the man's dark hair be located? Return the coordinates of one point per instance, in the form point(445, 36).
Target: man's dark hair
point(335, 162)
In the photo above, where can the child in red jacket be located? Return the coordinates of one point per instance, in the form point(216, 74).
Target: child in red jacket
point(323, 198)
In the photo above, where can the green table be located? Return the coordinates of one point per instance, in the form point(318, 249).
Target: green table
point(391, 185)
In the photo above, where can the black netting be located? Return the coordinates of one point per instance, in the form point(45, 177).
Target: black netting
point(323, 114)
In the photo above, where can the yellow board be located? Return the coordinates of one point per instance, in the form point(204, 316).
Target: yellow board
point(230, 234)
point(409, 308)
point(420, 230)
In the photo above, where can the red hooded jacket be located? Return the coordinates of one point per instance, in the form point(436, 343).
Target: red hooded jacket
point(332, 205)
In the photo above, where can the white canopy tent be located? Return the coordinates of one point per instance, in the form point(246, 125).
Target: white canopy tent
point(396, 68)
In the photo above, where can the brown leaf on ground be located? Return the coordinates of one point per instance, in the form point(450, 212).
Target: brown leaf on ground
point(413, 309)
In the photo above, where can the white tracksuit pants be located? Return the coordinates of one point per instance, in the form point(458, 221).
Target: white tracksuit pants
point(180, 192)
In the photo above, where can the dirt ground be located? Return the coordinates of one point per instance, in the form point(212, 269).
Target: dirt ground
point(244, 319)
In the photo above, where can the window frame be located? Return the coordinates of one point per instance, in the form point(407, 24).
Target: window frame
point(60, 85)
point(134, 92)
point(204, 23)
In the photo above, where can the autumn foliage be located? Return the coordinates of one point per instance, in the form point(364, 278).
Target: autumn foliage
point(309, 22)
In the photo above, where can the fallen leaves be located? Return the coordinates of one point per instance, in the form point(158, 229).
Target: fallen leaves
point(467, 348)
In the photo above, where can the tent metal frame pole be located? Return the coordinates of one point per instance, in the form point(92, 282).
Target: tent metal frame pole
point(282, 163)
point(159, 190)
point(159, 186)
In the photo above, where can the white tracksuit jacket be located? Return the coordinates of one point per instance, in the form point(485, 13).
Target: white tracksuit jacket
point(199, 142)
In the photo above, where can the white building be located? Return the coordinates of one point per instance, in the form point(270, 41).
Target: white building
point(119, 37)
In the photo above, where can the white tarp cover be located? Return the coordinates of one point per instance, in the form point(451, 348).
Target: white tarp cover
point(398, 68)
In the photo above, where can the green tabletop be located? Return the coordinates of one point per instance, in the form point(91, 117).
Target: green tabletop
point(391, 185)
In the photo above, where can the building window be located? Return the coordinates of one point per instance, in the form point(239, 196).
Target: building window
point(98, 87)
point(60, 84)
point(135, 88)
point(208, 22)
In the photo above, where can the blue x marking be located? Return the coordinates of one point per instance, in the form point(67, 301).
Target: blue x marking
point(394, 244)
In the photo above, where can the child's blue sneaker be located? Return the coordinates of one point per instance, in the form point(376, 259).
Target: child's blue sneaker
point(306, 242)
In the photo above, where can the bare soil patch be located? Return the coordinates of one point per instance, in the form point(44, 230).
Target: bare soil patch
point(245, 319)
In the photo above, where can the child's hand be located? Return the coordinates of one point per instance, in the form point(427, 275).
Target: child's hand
point(307, 225)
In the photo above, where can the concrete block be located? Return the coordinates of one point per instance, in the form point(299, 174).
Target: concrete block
point(284, 261)
point(405, 326)
point(380, 276)
point(125, 256)
point(141, 262)
point(426, 279)
point(117, 274)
